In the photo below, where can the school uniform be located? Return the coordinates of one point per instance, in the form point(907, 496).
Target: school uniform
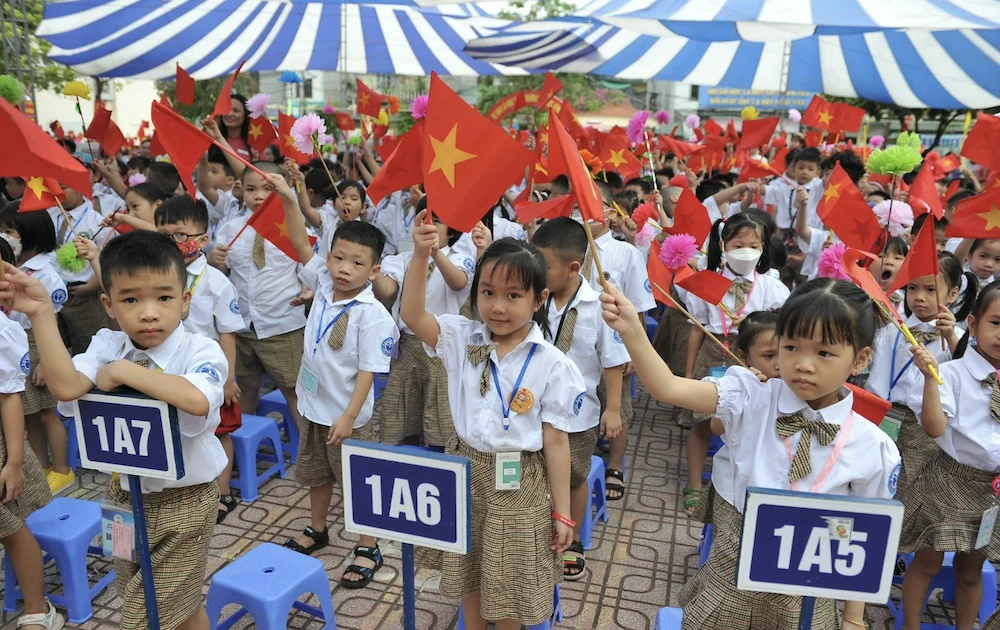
point(781, 195)
point(813, 249)
point(395, 217)
point(273, 343)
point(415, 400)
point(180, 514)
point(893, 377)
point(945, 505)
point(578, 329)
point(858, 460)
point(510, 562)
point(226, 207)
point(107, 199)
point(14, 368)
point(41, 267)
point(343, 337)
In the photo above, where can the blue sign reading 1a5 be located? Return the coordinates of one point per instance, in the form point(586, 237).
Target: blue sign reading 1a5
point(818, 545)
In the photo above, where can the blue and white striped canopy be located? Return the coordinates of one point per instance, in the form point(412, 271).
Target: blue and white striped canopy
point(911, 68)
point(209, 38)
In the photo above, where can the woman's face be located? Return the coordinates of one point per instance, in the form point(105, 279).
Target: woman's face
point(269, 155)
point(236, 114)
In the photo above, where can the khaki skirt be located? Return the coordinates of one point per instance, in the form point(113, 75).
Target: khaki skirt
point(34, 495)
point(415, 400)
point(35, 398)
point(916, 448)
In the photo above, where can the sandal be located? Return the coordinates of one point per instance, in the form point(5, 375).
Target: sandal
point(320, 540)
point(614, 486)
point(367, 573)
point(230, 502)
point(692, 498)
point(50, 620)
point(573, 561)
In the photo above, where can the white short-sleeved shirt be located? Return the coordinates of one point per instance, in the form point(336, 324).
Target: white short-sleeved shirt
point(502, 228)
point(215, 307)
point(890, 343)
point(555, 383)
point(87, 223)
point(226, 207)
point(328, 377)
point(781, 195)
point(440, 300)
point(201, 362)
point(627, 270)
point(868, 465)
point(768, 293)
point(15, 363)
point(395, 217)
point(595, 346)
point(108, 198)
point(813, 249)
point(972, 436)
point(42, 267)
point(264, 294)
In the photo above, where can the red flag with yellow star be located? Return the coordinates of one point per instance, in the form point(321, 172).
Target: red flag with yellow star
point(922, 260)
point(286, 143)
point(402, 167)
point(269, 222)
point(550, 87)
point(982, 145)
point(261, 133)
point(183, 142)
point(469, 160)
point(845, 211)
point(565, 158)
point(819, 114)
point(369, 101)
point(615, 156)
point(40, 193)
point(28, 149)
point(977, 216)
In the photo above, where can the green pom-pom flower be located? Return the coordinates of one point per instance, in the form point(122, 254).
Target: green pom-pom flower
point(907, 139)
point(354, 141)
point(897, 160)
point(68, 258)
point(11, 90)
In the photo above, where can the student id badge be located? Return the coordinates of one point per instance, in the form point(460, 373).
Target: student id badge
point(985, 534)
point(308, 377)
point(839, 528)
point(892, 423)
point(508, 471)
point(118, 537)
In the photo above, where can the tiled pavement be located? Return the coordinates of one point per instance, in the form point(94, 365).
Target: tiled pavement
point(643, 555)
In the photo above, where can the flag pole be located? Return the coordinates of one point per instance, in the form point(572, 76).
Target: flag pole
point(597, 258)
point(902, 328)
point(699, 325)
point(68, 219)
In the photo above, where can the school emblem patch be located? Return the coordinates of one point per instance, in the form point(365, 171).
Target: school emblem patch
point(894, 479)
point(469, 264)
point(209, 369)
point(578, 403)
point(649, 287)
point(234, 306)
point(618, 337)
point(59, 296)
point(26, 363)
point(387, 345)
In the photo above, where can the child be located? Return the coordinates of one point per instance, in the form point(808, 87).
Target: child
point(779, 197)
point(746, 241)
point(214, 312)
point(573, 324)
point(144, 278)
point(885, 268)
point(141, 201)
point(216, 178)
point(164, 175)
point(350, 339)
point(982, 258)
point(512, 394)
point(825, 333)
point(893, 376)
point(415, 401)
point(940, 229)
point(946, 505)
point(33, 239)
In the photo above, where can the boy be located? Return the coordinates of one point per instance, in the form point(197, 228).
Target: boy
point(779, 197)
point(215, 184)
point(575, 326)
point(144, 277)
point(214, 312)
point(351, 337)
point(164, 175)
point(263, 277)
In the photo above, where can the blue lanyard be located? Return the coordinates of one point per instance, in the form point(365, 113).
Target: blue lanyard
point(75, 225)
point(894, 380)
point(517, 386)
point(410, 222)
point(321, 330)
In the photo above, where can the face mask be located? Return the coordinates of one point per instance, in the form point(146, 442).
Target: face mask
point(743, 261)
point(15, 244)
point(189, 248)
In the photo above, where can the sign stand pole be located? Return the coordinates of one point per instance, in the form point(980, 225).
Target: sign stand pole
point(806, 616)
point(145, 560)
point(409, 589)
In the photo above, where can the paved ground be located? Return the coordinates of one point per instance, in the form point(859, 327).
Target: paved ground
point(642, 557)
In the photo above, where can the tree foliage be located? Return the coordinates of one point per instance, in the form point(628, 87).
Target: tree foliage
point(205, 94)
point(532, 10)
point(48, 73)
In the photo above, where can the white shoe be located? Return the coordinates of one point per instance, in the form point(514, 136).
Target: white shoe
point(50, 620)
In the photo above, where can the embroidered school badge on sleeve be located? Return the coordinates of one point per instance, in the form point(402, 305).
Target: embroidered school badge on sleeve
point(469, 264)
point(894, 479)
point(387, 344)
point(234, 306)
point(209, 369)
point(59, 296)
point(618, 337)
point(578, 403)
point(26, 363)
point(649, 287)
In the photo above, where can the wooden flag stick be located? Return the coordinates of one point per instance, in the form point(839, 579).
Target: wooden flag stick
point(597, 258)
point(902, 328)
point(699, 325)
point(68, 219)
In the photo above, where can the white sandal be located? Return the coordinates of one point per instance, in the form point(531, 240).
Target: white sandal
point(50, 620)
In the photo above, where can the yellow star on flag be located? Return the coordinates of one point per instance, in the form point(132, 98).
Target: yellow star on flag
point(447, 155)
point(363, 99)
point(617, 158)
point(37, 186)
point(282, 228)
point(996, 183)
point(255, 131)
point(544, 139)
point(992, 217)
point(289, 140)
point(832, 192)
point(825, 117)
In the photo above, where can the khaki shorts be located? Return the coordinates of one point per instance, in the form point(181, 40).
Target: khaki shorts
point(278, 357)
point(319, 463)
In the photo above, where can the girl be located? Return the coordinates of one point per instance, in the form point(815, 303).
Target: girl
point(893, 376)
point(746, 241)
point(825, 333)
point(141, 202)
point(22, 480)
point(235, 126)
point(887, 266)
point(946, 505)
point(32, 238)
point(349, 205)
point(982, 259)
point(511, 394)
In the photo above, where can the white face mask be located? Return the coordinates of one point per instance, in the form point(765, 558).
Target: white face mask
point(15, 244)
point(743, 261)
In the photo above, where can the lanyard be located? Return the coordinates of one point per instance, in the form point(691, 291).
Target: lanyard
point(562, 318)
point(517, 386)
point(722, 313)
point(410, 222)
point(893, 380)
point(75, 225)
point(194, 283)
point(838, 448)
point(321, 330)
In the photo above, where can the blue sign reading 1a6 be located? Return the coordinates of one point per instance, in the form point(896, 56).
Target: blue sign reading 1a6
point(799, 543)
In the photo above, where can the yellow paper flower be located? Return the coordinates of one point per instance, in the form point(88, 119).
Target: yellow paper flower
point(79, 89)
point(383, 118)
point(749, 113)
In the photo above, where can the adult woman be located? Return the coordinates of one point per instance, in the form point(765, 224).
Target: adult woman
point(235, 126)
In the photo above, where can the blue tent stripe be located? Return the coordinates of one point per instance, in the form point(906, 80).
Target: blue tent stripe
point(804, 69)
point(684, 61)
point(375, 46)
point(224, 44)
point(992, 37)
point(827, 12)
point(580, 50)
point(452, 39)
point(428, 60)
point(525, 42)
point(629, 55)
point(744, 65)
point(986, 73)
point(737, 10)
point(282, 41)
point(111, 26)
point(864, 75)
point(326, 48)
point(921, 80)
point(707, 31)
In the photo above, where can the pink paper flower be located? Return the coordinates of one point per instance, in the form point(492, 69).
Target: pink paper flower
point(636, 130)
point(831, 263)
point(303, 131)
point(677, 250)
point(418, 107)
point(693, 121)
point(329, 110)
point(645, 235)
point(900, 219)
point(876, 141)
point(135, 180)
point(795, 115)
point(662, 117)
point(257, 104)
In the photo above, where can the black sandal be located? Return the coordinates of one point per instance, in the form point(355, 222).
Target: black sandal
point(577, 562)
point(320, 540)
point(367, 573)
point(230, 502)
point(614, 486)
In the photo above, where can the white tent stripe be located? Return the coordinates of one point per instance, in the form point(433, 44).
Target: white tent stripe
point(715, 63)
point(241, 48)
point(836, 79)
point(74, 21)
point(301, 50)
point(892, 77)
point(949, 74)
point(769, 69)
point(354, 58)
point(779, 10)
point(265, 46)
point(982, 45)
point(404, 60)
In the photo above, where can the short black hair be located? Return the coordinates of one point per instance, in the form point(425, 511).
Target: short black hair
point(607, 195)
point(809, 154)
point(842, 311)
point(138, 251)
point(139, 163)
point(614, 179)
point(453, 234)
point(709, 188)
point(319, 183)
point(628, 201)
point(560, 186)
point(361, 233)
point(345, 184)
point(851, 164)
point(961, 195)
point(217, 156)
point(641, 183)
point(37, 233)
point(791, 156)
point(753, 326)
point(150, 192)
point(164, 175)
point(264, 167)
point(180, 209)
point(563, 236)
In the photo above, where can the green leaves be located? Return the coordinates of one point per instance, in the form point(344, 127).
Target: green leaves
point(11, 90)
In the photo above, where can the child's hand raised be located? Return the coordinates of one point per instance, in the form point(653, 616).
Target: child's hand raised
point(425, 237)
point(945, 322)
point(482, 238)
point(278, 184)
point(619, 313)
point(86, 248)
point(924, 360)
point(23, 293)
point(211, 128)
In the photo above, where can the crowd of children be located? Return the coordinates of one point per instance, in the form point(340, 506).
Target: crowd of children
point(502, 344)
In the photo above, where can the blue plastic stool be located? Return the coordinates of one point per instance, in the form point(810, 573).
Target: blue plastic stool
point(72, 445)
point(705, 545)
point(651, 325)
point(669, 619)
point(64, 529)
point(715, 443)
point(267, 583)
point(598, 502)
point(246, 442)
point(945, 579)
point(274, 402)
point(557, 615)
